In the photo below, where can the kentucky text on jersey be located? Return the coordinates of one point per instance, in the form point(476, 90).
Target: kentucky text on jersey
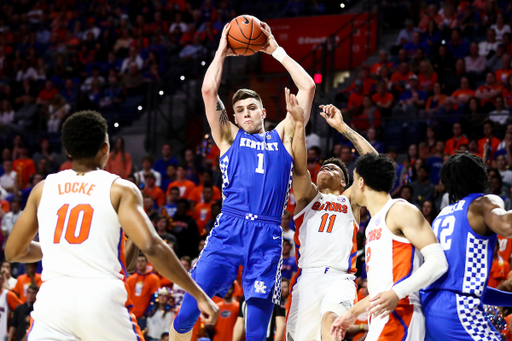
point(258, 145)
point(76, 187)
point(329, 206)
point(454, 208)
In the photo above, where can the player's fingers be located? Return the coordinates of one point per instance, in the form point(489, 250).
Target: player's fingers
point(324, 115)
point(226, 29)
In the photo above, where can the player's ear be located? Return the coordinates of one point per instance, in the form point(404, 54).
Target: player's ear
point(263, 113)
point(234, 117)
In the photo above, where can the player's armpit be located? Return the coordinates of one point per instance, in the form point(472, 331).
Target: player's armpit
point(488, 211)
point(20, 246)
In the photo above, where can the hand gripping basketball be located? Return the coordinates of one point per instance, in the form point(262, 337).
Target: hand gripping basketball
point(223, 44)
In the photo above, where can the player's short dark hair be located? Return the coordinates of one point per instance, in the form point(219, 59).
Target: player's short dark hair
point(83, 134)
point(342, 166)
point(246, 93)
point(463, 174)
point(378, 171)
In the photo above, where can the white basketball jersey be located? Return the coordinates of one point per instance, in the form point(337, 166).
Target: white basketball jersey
point(79, 230)
point(4, 314)
point(325, 234)
point(390, 259)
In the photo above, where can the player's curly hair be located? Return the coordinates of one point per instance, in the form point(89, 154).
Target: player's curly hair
point(342, 166)
point(83, 134)
point(378, 171)
point(463, 174)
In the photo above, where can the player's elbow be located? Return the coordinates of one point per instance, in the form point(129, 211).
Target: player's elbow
point(151, 246)
point(507, 229)
point(310, 86)
point(11, 253)
point(208, 90)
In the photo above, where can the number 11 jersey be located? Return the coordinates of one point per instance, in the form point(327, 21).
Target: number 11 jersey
point(257, 175)
point(79, 230)
point(326, 234)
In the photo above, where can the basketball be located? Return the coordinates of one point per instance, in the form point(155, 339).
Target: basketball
point(245, 36)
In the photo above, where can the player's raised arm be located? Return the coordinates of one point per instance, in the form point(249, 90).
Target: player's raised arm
point(300, 77)
point(20, 246)
point(406, 219)
point(488, 211)
point(223, 131)
point(303, 188)
point(137, 226)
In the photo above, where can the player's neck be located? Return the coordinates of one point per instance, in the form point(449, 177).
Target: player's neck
point(375, 201)
point(328, 190)
point(84, 166)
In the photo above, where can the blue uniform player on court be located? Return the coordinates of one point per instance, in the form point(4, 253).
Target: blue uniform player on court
point(257, 174)
point(467, 230)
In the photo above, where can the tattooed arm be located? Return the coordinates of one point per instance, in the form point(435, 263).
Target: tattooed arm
point(223, 131)
point(334, 118)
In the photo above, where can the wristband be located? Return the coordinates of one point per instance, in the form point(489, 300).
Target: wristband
point(361, 326)
point(279, 54)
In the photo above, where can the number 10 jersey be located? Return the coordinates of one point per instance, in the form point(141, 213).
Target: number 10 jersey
point(325, 234)
point(79, 230)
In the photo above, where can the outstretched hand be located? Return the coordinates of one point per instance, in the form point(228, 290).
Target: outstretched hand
point(332, 115)
point(271, 44)
point(340, 326)
point(223, 44)
point(292, 106)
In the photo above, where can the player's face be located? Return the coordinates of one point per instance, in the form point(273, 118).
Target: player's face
point(331, 176)
point(249, 115)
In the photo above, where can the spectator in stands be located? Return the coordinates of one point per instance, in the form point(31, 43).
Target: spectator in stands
point(133, 58)
point(119, 161)
point(69, 92)
point(488, 92)
point(289, 268)
point(170, 177)
point(497, 189)
point(406, 193)
point(196, 195)
point(453, 144)
point(68, 164)
point(383, 99)
point(314, 155)
point(95, 77)
point(366, 117)
point(402, 58)
point(58, 110)
point(489, 46)
point(356, 98)
point(30, 278)
point(150, 189)
point(495, 62)
point(462, 95)
point(132, 82)
point(506, 175)
point(393, 154)
point(500, 27)
point(113, 94)
point(411, 100)
point(185, 186)
point(452, 80)
point(228, 314)
point(416, 43)
point(458, 46)
point(6, 114)
point(429, 210)
point(433, 37)
point(215, 211)
point(185, 230)
point(172, 199)
point(426, 77)
point(503, 73)
point(147, 164)
point(406, 34)
point(435, 101)
point(202, 211)
point(443, 62)
point(430, 15)
point(162, 228)
point(475, 63)
point(507, 42)
point(368, 82)
point(507, 93)
point(20, 321)
point(161, 316)
point(371, 136)
point(488, 143)
point(500, 115)
point(469, 21)
point(9, 281)
point(142, 284)
point(447, 114)
point(167, 159)
point(435, 162)
point(149, 204)
point(400, 79)
point(46, 95)
point(383, 60)
point(347, 158)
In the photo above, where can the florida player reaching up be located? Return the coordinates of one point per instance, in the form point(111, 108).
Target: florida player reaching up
point(395, 236)
point(81, 215)
point(326, 222)
point(257, 173)
point(467, 230)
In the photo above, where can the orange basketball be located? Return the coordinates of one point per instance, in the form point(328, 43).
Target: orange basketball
point(245, 36)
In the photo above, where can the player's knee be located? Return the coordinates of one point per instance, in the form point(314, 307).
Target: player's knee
point(185, 320)
point(327, 321)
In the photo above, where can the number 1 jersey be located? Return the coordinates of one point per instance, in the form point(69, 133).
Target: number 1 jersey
point(79, 230)
point(257, 175)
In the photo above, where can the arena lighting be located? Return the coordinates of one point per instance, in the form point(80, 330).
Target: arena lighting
point(317, 78)
point(203, 63)
point(161, 93)
point(116, 125)
point(443, 42)
point(139, 107)
point(342, 5)
point(182, 78)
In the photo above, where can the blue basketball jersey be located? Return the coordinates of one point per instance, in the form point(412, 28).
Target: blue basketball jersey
point(469, 255)
point(257, 175)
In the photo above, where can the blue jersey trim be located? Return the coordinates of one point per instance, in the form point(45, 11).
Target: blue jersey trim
point(350, 260)
point(410, 271)
point(406, 330)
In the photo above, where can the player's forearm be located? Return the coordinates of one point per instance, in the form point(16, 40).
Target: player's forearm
point(300, 154)
point(360, 307)
point(213, 75)
point(167, 264)
point(362, 146)
point(300, 77)
point(12, 331)
point(238, 331)
point(31, 254)
point(131, 253)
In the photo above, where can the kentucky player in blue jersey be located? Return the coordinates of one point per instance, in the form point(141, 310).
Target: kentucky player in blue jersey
point(453, 305)
point(257, 174)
